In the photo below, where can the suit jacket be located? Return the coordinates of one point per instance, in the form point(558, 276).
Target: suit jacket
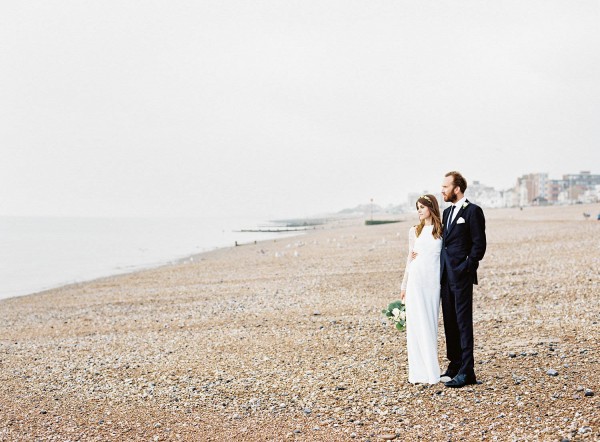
point(463, 244)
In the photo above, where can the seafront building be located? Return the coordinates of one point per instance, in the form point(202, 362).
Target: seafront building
point(485, 196)
point(532, 189)
point(538, 189)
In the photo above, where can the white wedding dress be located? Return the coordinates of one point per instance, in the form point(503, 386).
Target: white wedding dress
point(422, 284)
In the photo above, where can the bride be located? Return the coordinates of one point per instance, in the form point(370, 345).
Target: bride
point(421, 292)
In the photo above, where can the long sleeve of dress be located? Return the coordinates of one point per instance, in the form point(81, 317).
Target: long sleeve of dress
point(412, 236)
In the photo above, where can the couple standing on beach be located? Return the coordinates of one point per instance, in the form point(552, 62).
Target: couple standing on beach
point(444, 253)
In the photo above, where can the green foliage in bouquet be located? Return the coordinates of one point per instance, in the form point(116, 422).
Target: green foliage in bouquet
point(396, 313)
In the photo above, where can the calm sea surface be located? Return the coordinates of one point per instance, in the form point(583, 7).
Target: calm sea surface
point(38, 253)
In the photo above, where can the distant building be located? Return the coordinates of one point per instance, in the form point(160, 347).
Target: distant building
point(537, 189)
point(485, 196)
point(553, 190)
point(584, 179)
point(510, 197)
point(580, 187)
point(590, 195)
point(532, 189)
point(593, 195)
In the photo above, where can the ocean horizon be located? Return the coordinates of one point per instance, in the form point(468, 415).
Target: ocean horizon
point(42, 253)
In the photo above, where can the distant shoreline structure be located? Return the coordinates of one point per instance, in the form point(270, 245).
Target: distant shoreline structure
point(375, 222)
point(288, 225)
point(275, 230)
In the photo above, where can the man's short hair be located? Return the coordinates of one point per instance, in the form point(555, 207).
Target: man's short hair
point(458, 180)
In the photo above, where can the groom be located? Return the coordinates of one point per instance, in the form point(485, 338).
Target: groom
point(463, 247)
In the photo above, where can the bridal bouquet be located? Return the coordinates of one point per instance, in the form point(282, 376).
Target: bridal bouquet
point(396, 313)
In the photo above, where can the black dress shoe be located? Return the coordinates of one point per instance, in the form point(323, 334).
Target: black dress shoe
point(460, 380)
point(449, 374)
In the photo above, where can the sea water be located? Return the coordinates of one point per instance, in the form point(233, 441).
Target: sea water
point(39, 253)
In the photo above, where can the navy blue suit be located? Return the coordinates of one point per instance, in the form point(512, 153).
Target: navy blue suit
point(463, 246)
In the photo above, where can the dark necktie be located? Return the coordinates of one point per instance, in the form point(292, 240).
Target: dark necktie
point(450, 216)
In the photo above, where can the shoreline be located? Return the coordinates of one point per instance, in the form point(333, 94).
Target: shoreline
point(144, 267)
point(289, 233)
point(124, 269)
point(186, 258)
point(285, 341)
point(298, 232)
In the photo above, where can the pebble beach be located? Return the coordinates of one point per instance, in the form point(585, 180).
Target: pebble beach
point(285, 340)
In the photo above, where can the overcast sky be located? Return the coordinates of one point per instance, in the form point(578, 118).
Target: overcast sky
point(287, 108)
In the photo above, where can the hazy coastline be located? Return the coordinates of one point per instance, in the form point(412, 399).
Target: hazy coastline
point(44, 253)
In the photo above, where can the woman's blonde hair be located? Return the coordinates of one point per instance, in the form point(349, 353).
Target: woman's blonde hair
point(431, 203)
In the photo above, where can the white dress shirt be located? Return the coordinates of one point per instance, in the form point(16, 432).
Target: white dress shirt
point(457, 207)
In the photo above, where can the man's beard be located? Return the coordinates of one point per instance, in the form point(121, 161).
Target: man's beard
point(451, 199)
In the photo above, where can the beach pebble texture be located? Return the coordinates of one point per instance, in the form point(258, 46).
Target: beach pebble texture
point(285, 340)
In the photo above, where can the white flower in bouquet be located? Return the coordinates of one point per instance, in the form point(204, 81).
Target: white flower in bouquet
point(396, 313)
